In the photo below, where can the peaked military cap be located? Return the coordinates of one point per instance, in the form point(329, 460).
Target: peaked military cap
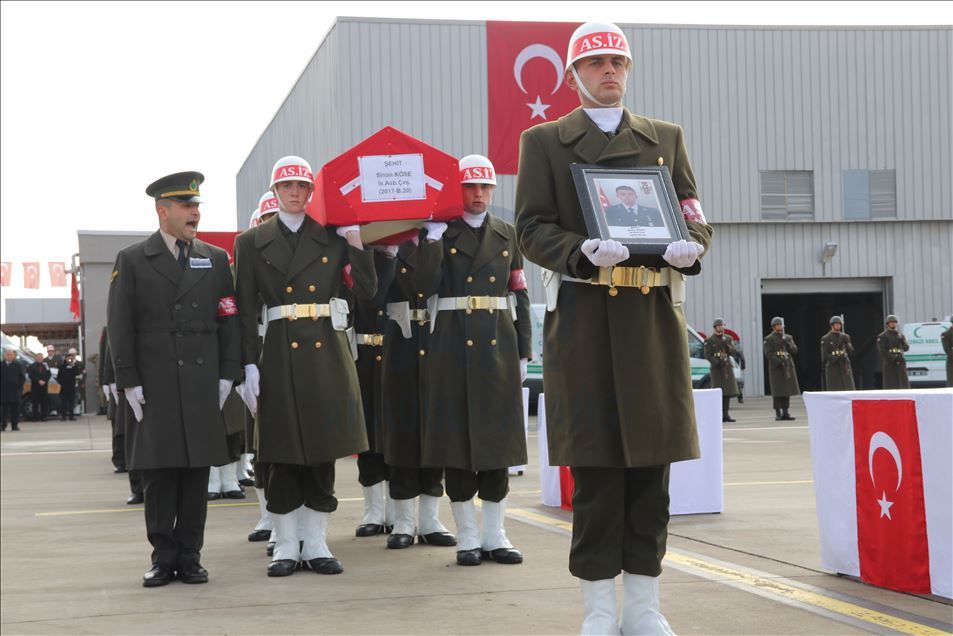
point(181, 186)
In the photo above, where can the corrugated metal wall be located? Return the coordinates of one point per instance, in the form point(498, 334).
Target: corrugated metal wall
point(750, 99)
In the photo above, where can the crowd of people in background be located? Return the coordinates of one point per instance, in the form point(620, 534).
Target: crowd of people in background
point(70, 374)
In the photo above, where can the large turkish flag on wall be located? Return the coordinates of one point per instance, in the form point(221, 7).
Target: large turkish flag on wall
point(526, 67)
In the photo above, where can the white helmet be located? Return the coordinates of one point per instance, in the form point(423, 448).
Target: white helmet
point(267, 205)
point(597, 38)
point(477, 169)
point(291, 168)
point(253, 221)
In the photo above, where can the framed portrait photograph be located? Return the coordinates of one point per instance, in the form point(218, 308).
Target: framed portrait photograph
point(636, 206)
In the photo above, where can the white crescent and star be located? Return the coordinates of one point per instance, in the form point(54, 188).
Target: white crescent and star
point(538, 108)
point(877, 441)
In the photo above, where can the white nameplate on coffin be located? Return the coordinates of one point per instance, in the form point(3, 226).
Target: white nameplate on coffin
point(200, 263)
point(392, 178)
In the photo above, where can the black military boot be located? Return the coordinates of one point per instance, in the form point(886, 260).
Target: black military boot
point(777, 415)
point(786, 416)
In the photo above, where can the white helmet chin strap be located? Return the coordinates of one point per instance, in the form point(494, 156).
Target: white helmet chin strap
point(585, 91)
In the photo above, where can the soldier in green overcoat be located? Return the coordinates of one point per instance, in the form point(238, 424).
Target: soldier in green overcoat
point(836, 350)
point(306, 395)
point(892, 344)
point(617, 426)
point(175, 343)
point(782, 373)
point(719, 348)
point(947, 339)
point(472, 273)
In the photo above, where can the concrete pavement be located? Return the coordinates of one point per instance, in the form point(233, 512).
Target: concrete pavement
point(72, 554)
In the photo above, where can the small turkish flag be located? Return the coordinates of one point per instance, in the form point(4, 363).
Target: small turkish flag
point(5, 269)
point(526, 84)
point(31, 275)
point(891, 514)
point(58, 274)
point(74, 307)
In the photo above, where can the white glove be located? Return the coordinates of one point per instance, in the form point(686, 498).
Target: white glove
point(435, 230)
point(390, 251)
point(224, 388)
point(604, 253)
point(136, 399)
point(682, 253)
point(114, 391)
point(344, 229)
point(252, 387)
point(524, 362)
point(250, 401)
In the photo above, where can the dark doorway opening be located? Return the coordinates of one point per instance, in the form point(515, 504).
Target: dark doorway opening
point(807, 319)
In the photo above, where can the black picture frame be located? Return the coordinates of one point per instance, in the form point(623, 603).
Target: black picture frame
point(608, 214)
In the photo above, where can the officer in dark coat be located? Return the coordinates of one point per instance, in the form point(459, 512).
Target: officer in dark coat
point(892, 344)
point(628, 212)
point(175, 339)
point(12, 377)
point(306, 395)
point(106, 376)
point(947, 339)
point(67, 374)
point(782, 374)
point(370, 319)
point(406, 341)
point(472, 273)
point(719, 349)
point(616, 424)
point(39, 374)
point(836, 350)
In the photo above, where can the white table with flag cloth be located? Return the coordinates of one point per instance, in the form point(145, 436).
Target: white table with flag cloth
point(695, 486)
point(883, 483)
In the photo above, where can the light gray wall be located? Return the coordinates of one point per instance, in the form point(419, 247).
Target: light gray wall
point(38, 310)
point(97, 254)
point(749, 98)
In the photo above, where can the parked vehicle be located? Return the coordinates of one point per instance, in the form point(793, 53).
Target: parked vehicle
point(926, 362)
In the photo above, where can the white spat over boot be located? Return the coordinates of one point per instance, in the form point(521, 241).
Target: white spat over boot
point(402, 536)
point(214, 482)
point(640, 607)
point(315, 553)
point(287, 550)
point(598, 599)
point(429, 528)
point(373, 521)
point(496, 546)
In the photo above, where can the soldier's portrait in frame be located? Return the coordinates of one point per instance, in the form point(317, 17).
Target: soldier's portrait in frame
point(635, 206)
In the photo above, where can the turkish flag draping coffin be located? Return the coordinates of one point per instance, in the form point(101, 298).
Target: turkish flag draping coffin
point(389, 183)
point(224, 240)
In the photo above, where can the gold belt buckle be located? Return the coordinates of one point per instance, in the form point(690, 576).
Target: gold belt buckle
point(377, 339)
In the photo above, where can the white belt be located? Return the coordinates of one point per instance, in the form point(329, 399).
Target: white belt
point(336, 309)
point(642, 278)
point(402, 314)
point(435, 305)
point(370, 339)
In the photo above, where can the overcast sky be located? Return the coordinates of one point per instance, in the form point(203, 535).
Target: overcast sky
point(99, 99)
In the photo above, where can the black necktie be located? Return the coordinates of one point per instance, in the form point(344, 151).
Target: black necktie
point(182, 245)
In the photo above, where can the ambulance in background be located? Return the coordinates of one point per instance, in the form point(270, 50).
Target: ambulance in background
point(926, 362)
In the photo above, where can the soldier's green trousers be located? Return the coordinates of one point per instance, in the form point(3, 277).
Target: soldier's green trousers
point(620, 521)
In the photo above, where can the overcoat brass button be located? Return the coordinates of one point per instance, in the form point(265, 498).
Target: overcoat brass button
point(317, 344)
point(294, 345)
point(453, 250)
point(403, 270)
point(379, 358)
point(493, 342)
point(422, 352)
point(289, 289)
point(469, 311)
point(489, 311)
point(324, 259)
point(199, 361)
point(195, 305)
point(177, 306)
point(506, 252)
point(469, 279)
point(311, 288)
point(422, 323)
point(380, 312)
point(613, 291)
point(181, 363)
point(492, 279)
point(660, 161)
point(420, 295)
point(469, 343)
